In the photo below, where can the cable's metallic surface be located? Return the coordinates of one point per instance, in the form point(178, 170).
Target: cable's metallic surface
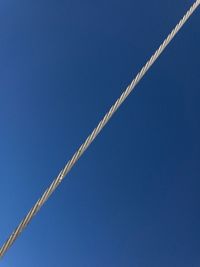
point(95, 132)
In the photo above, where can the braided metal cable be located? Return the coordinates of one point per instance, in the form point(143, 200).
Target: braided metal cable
point(94, 134)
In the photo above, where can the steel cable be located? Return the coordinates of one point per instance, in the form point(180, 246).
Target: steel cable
point(94, 133)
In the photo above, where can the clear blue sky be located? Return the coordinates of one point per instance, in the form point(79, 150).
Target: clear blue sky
point(133, 199)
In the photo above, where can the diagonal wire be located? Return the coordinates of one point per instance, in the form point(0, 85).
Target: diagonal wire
point(94, 133)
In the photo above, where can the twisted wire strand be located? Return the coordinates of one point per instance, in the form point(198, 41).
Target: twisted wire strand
point(94, 133)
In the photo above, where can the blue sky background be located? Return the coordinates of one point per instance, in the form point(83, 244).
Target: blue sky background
point(133, 199)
